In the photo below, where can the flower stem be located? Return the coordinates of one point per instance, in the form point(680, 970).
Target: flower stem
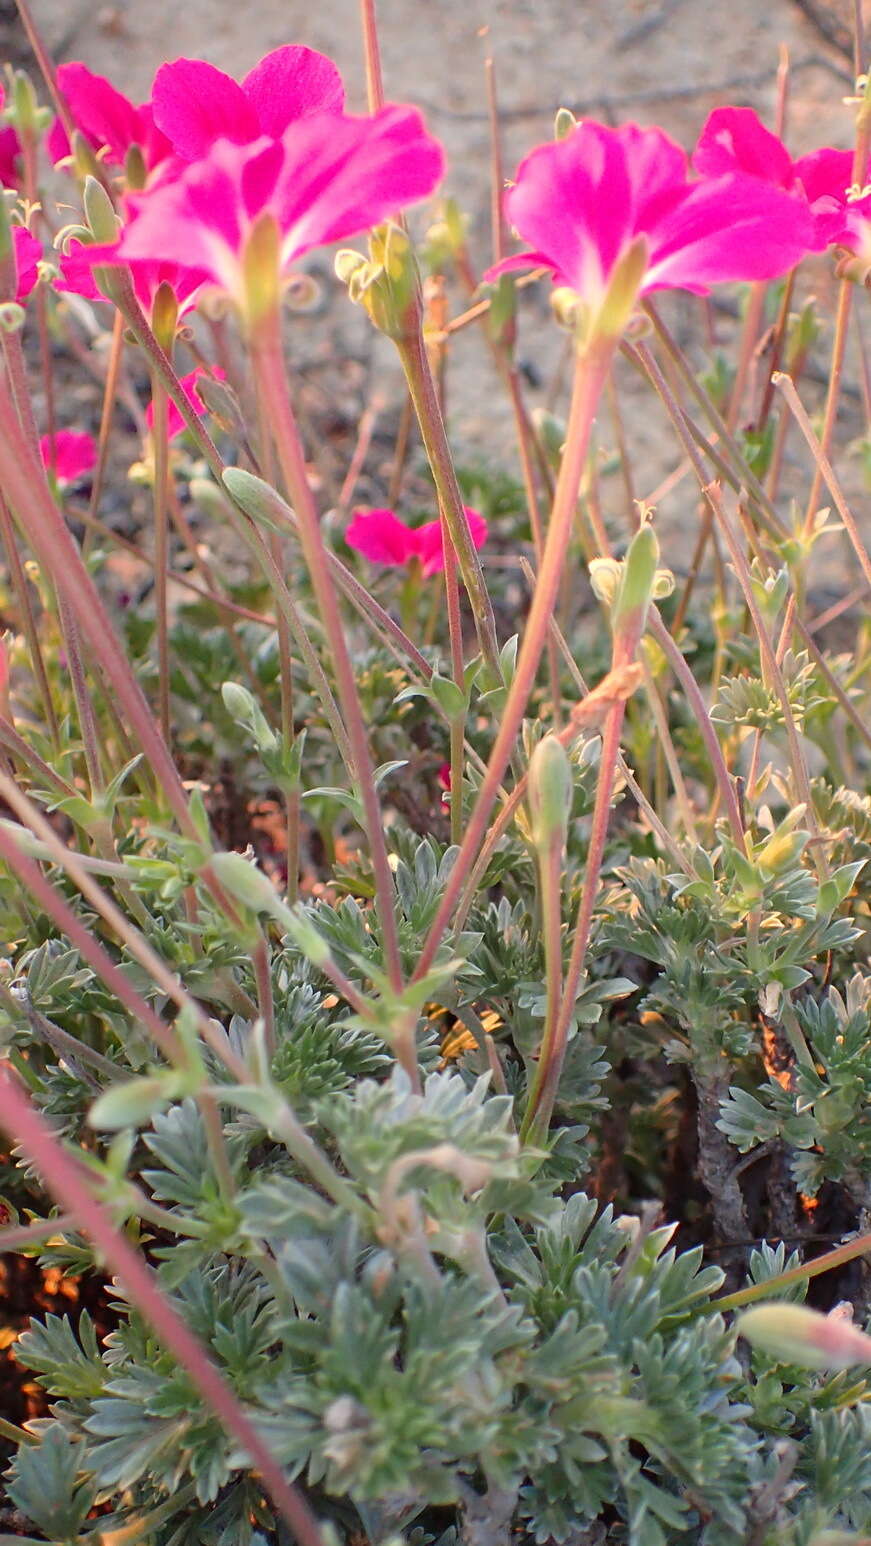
point(161, 550)
point(412, 353)
point(591, 369)
point(269, 364)
point(542, 1095)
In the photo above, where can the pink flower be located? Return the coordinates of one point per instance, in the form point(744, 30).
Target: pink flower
point(382, 538)
point(195, 104)
point(75, 453)
point(28, 253)
point(734, 139)
point(175, 423)
point(77, 275)
point(328, 177)
point(107, 119)
point(584, 201)
point(10, 150)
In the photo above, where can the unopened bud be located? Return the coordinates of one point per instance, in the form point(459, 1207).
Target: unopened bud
point(794, 1334)
point(29, 118)
point(243, 880)
point(135, 170)
point(550, 794)
point(636, 583)
point(99, 212)
point(564, 123)
point(387, 286)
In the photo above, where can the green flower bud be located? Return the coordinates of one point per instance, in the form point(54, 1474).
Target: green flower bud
point(550, 794)
point(794, 1334)
point(244, 882)
point(102, 221)
point(635, 591)
point(564, 123)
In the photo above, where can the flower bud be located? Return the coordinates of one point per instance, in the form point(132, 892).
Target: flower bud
point(636, 583)
point(243, 880)
point(794, 1334)
point(550, 794)
point(135, 169)
point(102, 220)
point(564, 123)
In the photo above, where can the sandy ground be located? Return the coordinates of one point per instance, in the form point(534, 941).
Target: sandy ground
point(663, 61)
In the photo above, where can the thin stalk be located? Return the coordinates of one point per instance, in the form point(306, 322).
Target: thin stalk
point(127, 303)
point(543, 1093)
point(550, 892)
point(372, 52)
point(591, 369)
point(725, 782)
point(265, 1000)
point(17, 375)
point(825, 473)
point(660, 719)
point(45, 530)
point(861, 1246)
point(746, 477)
point(413, 355)
point(799, 766)
point(268, 361)
point(160, 443)
point(130, 937)
point(29, 627)
point(22, 1235)
point(110, 390)
point(66, 1180)
point(43, 59)
point(50, 899)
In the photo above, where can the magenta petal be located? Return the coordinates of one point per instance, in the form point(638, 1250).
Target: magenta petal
point(10, 150)
point(825, 176)
point(327, 178)
point(381, 537)
point(430, 546)
point(28, 252)
point(195, 221)
point(194, 104)
point(105, 117)
point(729, 229)
point(734, 139)
point(75, 453)
point(572, 200)
point(343, 175)
point(292, 83)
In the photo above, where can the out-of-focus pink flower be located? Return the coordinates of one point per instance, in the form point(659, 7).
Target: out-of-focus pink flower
point(328, 177)
point(734, 139)
point(28, 252)
point(195, 104)
point(583, 202)
point(174, 422)
point(10, 150)
point(77, 275)
point(107, 119)
point(68, 455)
point(382, 538)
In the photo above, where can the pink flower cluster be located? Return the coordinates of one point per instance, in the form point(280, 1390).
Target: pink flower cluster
point(220, 156)
point(214, 157)
point(750, 212)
